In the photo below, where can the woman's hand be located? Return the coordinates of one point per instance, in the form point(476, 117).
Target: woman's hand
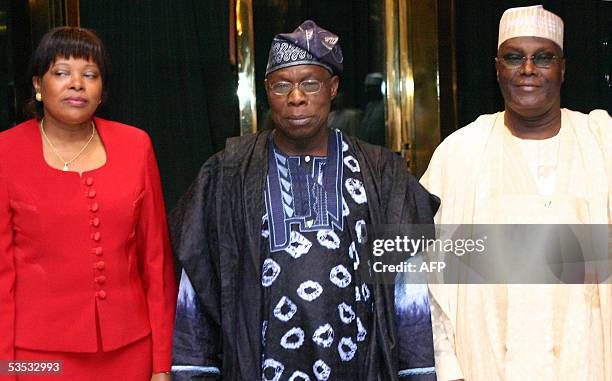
point(161, 377)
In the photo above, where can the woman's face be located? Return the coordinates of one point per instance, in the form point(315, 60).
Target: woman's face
point(71, 90)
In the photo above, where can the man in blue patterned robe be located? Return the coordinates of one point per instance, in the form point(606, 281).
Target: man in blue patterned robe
point(271, 237)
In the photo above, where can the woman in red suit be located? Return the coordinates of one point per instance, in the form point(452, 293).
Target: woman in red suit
point(86, 272)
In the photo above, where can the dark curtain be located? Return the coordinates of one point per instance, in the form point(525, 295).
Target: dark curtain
point(16, 41)
point(587, 48)
point(170, 76)
point(6, 69)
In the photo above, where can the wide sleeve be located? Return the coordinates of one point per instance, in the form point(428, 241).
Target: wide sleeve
point(403, 202)
point(447, 363)
point(432, 179)
point(156, 264)
point(7, 278)
point(197, 344)
point(441, 295)
point(600, 123)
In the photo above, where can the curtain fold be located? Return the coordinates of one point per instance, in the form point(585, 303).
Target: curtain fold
point(170, 76)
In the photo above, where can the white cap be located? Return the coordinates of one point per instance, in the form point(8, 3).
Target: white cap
point(534, 21)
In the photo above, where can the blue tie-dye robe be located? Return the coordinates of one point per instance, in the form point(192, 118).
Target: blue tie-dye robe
point(216, 231)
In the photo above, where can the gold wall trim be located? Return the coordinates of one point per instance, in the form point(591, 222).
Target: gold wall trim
point(413, 94)
point(48, 14)
point(245, 56)
point(406, 83)
point(400, 81)
point(73, 12)
point(393, 77)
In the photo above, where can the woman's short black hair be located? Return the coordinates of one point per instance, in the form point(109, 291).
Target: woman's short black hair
point(67, 42)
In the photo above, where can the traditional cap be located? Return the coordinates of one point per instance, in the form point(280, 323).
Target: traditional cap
point(309, 44)
point(534, 21)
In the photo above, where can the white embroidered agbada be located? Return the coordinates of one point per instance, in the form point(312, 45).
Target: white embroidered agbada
point(523, 332)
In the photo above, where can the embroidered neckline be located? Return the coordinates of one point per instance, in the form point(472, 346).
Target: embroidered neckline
point(322, 188)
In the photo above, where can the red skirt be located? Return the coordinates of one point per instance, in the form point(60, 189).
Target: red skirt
point(129, 363)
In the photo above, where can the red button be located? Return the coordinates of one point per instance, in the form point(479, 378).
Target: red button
point(95, 222)
point(101, 279)
point(97, 251)
point(99, 265)
point(91, 194)
point(96, 236)
point(101, 294)
point(89, 181)
point(94, 207)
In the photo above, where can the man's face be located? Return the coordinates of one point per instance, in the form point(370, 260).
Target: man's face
point(530, 90)
point(301, 114)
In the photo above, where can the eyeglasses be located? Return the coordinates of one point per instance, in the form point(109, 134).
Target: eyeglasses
point(309, 86)
point(541, 60)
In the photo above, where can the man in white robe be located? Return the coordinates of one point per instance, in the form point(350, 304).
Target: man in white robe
point(532, 163)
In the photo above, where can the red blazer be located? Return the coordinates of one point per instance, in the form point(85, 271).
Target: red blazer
point(72, 247)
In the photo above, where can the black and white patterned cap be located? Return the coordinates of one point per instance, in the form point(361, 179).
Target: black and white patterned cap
point(309, 44)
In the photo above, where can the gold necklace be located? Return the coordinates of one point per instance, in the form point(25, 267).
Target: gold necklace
point(54, 150)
